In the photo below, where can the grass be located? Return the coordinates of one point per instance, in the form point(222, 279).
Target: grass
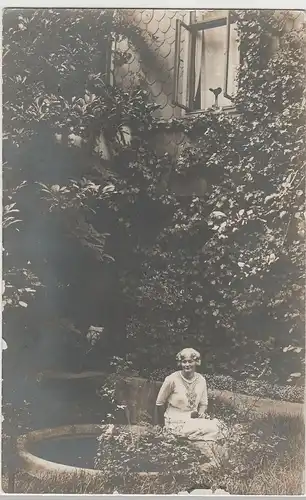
point(247, 472)
point(281, 473)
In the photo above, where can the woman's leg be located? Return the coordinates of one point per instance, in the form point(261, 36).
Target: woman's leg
point(208, 436)
point(202, 429)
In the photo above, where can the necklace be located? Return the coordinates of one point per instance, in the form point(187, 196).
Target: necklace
point(190, 392)
point(189, 380)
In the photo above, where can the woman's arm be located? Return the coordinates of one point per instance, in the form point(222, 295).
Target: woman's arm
point(202, 409)
point(161, 402)
point(159, 417)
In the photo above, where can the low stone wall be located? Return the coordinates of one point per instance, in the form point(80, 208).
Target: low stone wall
point(139, 395)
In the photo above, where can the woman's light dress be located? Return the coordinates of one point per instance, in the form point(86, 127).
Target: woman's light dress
point(181, 397)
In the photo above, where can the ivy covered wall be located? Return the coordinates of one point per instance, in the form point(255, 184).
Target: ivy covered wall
point(226, 273)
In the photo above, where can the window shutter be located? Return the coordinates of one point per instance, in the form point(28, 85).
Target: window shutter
point(228, 47)
point(111, 49)
point(177, 65)
point(198, 61)
point(109, 70)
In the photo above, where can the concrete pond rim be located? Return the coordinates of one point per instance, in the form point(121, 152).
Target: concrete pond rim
point(40, 467)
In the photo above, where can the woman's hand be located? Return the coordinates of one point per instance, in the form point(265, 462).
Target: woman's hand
point(158, 426)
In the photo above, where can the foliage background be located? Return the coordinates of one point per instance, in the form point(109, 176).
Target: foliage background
point(104, 243)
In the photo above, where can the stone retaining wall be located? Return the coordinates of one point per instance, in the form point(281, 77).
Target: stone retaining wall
point(139, 395)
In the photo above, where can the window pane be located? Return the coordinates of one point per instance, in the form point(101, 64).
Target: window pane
point(213, 68)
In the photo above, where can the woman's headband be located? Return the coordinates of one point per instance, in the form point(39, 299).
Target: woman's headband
point(192, 353)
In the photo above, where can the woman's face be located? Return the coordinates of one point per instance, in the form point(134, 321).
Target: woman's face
point(188, 365)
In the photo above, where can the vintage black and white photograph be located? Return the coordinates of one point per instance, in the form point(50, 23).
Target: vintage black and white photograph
point(153, 285)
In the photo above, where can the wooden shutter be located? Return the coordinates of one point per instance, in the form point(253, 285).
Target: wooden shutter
point(227, 58)
point(180, 25)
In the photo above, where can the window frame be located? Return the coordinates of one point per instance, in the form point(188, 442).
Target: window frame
point(193, 28)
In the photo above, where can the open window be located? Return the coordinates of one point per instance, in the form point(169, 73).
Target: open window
point(210, 61)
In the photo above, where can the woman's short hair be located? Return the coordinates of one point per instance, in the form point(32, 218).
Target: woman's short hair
point(188, 352)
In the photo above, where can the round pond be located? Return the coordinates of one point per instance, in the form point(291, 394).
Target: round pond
point(62, 450)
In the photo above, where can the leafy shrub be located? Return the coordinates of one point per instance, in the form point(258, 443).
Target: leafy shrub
point(149, 449)
point(15, 421)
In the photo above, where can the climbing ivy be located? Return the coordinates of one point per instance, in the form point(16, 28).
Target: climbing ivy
point(222, 272)
point(227, 273)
